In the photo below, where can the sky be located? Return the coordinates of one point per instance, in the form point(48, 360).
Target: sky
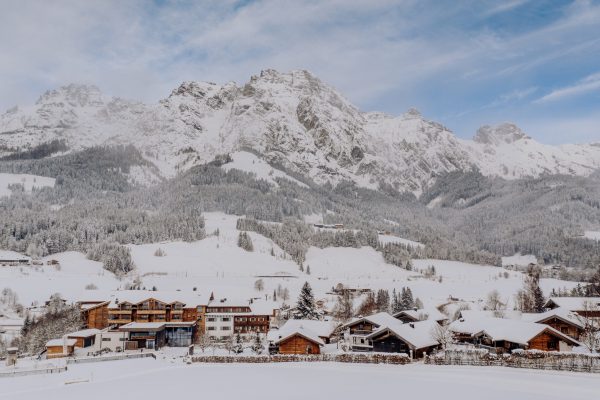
point(461, 63)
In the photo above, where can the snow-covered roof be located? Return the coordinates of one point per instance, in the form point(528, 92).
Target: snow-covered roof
point(8, 255)
point(84, 333)
point(379, 319)
point(322, 329)
point(142, 326)
point(511, 330)
point(423, 314)
point(61, 342)
point(476, 314)
point(572, 303)
point(168, 297)
point(560, 313)
point(417, 334)
point(304, 332)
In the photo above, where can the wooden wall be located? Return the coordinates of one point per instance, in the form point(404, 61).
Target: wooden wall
point(298, 345)
point(545, 342)
point(57, 351)
point(97, 317)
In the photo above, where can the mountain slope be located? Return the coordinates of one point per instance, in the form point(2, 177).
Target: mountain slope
point(294, 120)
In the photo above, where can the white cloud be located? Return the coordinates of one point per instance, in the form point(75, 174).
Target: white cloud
point(588, 84)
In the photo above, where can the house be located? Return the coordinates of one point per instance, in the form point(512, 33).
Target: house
point(588, 307)
point(323, 329)
point(416, 315)
point(414, 338)
point(110, 339)
point(299, 341)
point(505, 335)
point(58, 348)
point(84, 338)
point(560, 319)
point(154, 335)
point(12, 258)
point(358, 329)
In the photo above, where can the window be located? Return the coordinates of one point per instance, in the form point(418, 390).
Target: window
point(211, 319)
point(225, 328)
point(211, 328)
point(225, 319)
point(106, 339)
point(122, 339)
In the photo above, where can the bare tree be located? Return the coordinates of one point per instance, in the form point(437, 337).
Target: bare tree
point(494, 303)
point(259, 285)
point(204, 341)
point(590, 337)
point(443, 335)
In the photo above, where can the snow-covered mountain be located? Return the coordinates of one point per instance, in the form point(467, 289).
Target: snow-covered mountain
point(295, 120)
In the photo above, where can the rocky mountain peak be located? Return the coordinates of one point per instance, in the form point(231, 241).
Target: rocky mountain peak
point(500, 134)
point(75, 95)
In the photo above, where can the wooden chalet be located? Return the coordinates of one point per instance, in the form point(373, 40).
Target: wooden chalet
point(505, 335)
point(300, 341)
point(588, 307)
point(359, 328)
point(413, 338)
point(560, 319)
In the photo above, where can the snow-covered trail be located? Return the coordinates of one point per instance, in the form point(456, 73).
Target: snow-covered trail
point(155, 379)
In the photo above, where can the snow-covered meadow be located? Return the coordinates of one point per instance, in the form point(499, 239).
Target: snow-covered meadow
point(27, 181)
point(217, 265)
point(170, 378)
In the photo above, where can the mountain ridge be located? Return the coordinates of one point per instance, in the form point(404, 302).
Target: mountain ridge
point(294, 120)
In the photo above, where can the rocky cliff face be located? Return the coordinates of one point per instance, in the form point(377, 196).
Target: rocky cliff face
point(293, 119)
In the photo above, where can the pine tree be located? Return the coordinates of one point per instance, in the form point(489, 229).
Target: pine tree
point(258, 346)
point(306, 308)
point(343, 309)
point(383, 300)
point(238, 345)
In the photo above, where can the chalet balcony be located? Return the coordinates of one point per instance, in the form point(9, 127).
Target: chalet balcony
point(151, 312)
point(119, 312)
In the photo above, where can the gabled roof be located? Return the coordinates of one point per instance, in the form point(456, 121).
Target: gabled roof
point(571, 303)
point(305, 333)
point(560, 313)
point(323, 329)
point(378, 319)
point(422, 314)
point(417, 335)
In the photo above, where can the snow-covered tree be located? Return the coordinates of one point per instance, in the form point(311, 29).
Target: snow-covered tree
point(306, 307)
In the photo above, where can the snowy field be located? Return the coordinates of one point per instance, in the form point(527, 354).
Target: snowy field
point(248, 162)
point(159, 379)
point(594, 235)
point(217, 265)
point(28, 181)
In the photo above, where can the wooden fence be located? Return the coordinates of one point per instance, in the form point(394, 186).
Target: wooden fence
point(554, 361)
point(38, 371)
point(366, 358)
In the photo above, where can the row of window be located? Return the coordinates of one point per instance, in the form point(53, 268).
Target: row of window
point(214, 328)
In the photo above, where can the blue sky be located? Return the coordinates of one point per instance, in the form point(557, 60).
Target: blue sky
point(462, 63)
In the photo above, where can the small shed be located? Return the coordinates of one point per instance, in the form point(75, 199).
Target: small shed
point(57, 348)
point(300, 341)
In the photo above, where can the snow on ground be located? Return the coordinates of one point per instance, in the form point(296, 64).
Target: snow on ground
point(519, 260)
point(395, 239)
point(28, 181)
point(594, 235)
point(169, 378)
point(248, 162)
point(37, 283)
point(217, 265)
